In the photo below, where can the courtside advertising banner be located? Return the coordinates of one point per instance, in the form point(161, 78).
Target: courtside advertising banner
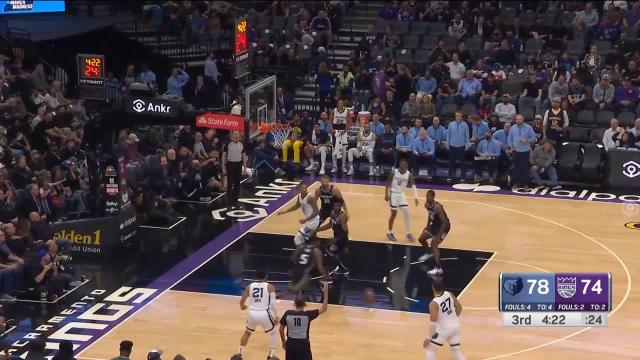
point(10, 7)
point(220, 121)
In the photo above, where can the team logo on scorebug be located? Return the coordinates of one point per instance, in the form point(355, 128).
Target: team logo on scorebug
point(566, 286)
point(512, 285)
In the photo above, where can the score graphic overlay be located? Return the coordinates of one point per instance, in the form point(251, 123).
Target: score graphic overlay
point(91, 76)
point(555, 299)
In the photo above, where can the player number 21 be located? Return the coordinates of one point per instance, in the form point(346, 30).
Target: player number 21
point(543, 286)
point(596, 288)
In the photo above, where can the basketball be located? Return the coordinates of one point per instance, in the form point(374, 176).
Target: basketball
point(369, 296)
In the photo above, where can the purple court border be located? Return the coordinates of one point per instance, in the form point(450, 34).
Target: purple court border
point(193, 262)
point(509, 192)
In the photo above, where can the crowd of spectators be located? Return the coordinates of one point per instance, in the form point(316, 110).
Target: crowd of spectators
point(44, 176)
point(490, 85)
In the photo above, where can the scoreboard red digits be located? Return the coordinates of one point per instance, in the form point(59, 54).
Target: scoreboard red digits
point(241, 49)
point(91, 76)
point(241, 37)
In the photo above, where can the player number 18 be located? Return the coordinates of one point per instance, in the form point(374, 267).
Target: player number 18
point(542, 286)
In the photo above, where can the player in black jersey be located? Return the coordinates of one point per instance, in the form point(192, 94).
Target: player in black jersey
point(337, 247)
point(438, 226)
point(305, 259)
point(328, 194)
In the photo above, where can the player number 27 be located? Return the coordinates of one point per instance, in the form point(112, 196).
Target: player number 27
point(596, 288)
point(542, 286)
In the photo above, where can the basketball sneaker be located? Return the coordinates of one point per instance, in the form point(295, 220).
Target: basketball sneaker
point(350, 172)
point(311, 166)
point(425, 257)
point(410, 237)
point(435, 271)
point(391, 237)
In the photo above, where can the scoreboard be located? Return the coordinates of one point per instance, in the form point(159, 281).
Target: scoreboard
point(241, 48)
point(555, 299)
point(91, 76)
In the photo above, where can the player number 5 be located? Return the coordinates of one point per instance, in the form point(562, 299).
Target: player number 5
point(596, 288)
point(543, 286)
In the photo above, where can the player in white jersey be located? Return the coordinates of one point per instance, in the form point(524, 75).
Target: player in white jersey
point(340, 115)
point(444, 313)
point(340, 144)
point(310, 215)
point(365, 145)
point(398, 180)
point(262, 311)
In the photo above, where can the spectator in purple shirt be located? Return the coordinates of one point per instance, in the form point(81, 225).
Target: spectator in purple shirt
point(627, 97)
point(388, 12)
point(405, 13)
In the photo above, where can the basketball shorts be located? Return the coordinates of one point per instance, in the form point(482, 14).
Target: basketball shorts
point(264, 318)
point(298, 350)
point(449, 333)
point(398, 200)
point(438, 231)
point(306, 230)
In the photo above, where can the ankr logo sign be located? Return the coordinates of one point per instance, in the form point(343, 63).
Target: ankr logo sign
point(543, 191)
point(158, 107)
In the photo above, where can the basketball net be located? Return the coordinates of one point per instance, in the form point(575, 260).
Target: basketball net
point(280, 133)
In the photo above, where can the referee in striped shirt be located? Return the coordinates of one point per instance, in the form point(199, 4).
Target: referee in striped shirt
point(298, 322)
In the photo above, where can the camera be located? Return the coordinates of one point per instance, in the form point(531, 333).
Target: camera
point(62, 259)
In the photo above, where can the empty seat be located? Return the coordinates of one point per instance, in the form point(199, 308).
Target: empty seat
point(422, 56)
point(429, 42)
point(381, 25)
point(411, 42)
point(263, 22)
point(592, 163)
point(603, 46)
point(451, 42)
point(468, 109)
point(401, 27)
point(279, 22)
point(437, 28)
point(403, 56)
point(449, 110)
point(473, 43)
point(528, 113)
point(419, 28)
point(585, 117)
point(603, 117)
point(596, 135)
point(626, 118)
point(527, 19)
point(578, 134)
point(568, 160)
point(565, 18)
point(575, 47)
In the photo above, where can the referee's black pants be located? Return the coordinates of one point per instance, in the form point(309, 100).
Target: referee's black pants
point(298, 349)
point(234, 175)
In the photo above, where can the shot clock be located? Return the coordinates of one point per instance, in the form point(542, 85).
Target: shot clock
point(241, 49)
point(555, 299)
point(91, 76)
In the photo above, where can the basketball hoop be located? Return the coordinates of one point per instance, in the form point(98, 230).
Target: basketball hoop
point(280, 133)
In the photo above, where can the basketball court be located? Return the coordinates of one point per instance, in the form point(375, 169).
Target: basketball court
point(199, 316)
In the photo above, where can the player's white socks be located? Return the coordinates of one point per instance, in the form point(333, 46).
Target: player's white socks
point(405, 218)
point(431, 354)
point(457, 353)
point(273, 343)
point(241, 350)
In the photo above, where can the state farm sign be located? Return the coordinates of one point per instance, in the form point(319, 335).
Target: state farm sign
point(220, 121)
